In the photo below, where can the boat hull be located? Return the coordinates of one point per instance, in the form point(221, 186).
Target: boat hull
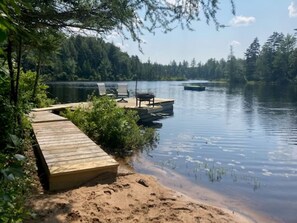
point(194, 88)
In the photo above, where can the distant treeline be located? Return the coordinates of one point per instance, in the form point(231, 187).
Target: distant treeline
point(90, 58)
point(275, 61)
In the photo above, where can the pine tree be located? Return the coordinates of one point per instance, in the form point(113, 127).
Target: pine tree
point(251, 55)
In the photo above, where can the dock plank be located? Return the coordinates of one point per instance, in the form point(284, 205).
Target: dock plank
point(66, 147)
point(58, 169)
point(70, 151)
point(45, 116)
point(69, 156)
point(53, 159)
point(58, 107)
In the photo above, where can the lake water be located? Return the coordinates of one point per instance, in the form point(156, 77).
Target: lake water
point(239, 142)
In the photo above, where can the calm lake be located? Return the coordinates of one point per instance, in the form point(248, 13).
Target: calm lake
point(239, 142)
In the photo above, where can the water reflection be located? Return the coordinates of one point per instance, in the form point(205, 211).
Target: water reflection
point(66, 93)
point(240, 141)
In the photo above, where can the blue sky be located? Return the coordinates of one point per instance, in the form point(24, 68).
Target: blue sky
point(254, 18)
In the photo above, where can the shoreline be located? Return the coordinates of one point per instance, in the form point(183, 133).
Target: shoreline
point(203, 194)
point(133, 197)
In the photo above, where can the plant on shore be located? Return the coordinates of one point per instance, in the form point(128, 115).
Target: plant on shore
point(14, 182)
point(113, 127)
point(14, 175)
point(40, 98)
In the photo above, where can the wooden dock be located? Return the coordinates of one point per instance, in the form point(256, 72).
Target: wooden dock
point(162, 107)
point(147, 112)
point(69, 157)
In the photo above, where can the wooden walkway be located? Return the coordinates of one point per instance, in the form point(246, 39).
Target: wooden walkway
point(69, 157)
point(146, 112)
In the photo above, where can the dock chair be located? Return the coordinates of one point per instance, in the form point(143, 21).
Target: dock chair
point(122, 92)
point(102, 90)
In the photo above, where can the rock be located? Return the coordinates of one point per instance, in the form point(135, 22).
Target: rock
point(143, 182)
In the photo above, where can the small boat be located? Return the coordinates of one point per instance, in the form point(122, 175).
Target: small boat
point(194, 87)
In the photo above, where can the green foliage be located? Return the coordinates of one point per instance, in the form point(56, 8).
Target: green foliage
point(13, 183)
point(113, 127)
point(252, 55)
point(26, 89)
point(89, 58)
point(7, 114)
point(7, 7)
point(275, 62)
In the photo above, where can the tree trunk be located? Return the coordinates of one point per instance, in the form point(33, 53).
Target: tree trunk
point(37, 76)
point(19, 58)
point(11, 72)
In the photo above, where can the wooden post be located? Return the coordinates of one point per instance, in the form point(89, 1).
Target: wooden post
point(136, 77)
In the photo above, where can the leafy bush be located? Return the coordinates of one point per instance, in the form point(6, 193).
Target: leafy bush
point(13, 183)
point(26, 90)
point(113, 127)
point(9, 112)
point(7, 122)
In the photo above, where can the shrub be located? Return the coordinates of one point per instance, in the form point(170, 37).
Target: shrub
point(7, 122)
point(9, 112)
point(113, 127)
point(13, 183)
point(26, 90)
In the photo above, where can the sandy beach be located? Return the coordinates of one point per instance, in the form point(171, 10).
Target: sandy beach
point(133, 197)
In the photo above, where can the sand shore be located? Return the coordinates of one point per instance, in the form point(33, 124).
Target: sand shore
point(133, 197)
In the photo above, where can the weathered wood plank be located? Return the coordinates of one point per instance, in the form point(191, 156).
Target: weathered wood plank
point(65, 143)
point(63, 138)
point(61, 168)
point(66, 147)
point(73, 152)
point(69, 156)
point(72, 155)
point(75, 158)
point(45, 116)
point(63, 106)
point(70, 151)
point(62, 182)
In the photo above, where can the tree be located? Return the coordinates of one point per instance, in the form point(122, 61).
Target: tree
point(234, 68)
point(42, 50)
point(292, 72)
point(282, 61)
point(105, 69)
point(231, 66)
point(136, 67)
point(265, 65)
point(193, 63)
point(100, 17)
point(251, 57)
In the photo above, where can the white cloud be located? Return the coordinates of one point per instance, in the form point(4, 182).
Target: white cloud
point(77, 31)
point(242, 20)
point(235, 43)
point(123, 46)
point(117, 39)
point(173, 2)
point(113, 35)
point(292, 10)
